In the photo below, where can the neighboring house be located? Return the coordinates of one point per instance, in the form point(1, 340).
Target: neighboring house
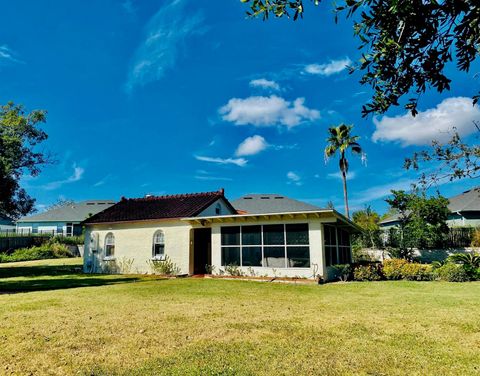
point(464, 211)
point(204, 229)
point(6, 224)
point(65, 220)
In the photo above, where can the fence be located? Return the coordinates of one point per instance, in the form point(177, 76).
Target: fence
point(457, 237)
point(11, 243)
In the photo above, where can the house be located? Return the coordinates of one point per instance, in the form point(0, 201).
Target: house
point(65, 220)
point(464, 211)
point(6, 224)
point(274, 236)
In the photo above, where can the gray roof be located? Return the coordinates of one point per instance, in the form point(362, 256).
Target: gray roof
point(467, 201)
point(6, 221)
point(70, 213)
point(270, 203)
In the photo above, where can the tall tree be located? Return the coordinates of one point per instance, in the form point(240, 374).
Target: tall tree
point(340, 140)
point(406, 45)
point(19, 135)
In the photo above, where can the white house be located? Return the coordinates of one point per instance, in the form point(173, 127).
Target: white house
point(204, 230)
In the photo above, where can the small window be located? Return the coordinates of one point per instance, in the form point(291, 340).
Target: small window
point(218, 209)
point(158, 245)
point(109, 245)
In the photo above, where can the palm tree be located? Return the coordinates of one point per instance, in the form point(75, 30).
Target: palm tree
point(468, 259)
point(341, 140)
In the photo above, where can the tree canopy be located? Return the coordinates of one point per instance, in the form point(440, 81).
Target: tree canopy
point(422, 220)
point(406, 45)
point(19, 135)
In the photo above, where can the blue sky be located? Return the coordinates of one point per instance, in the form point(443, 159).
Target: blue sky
point(164, 97)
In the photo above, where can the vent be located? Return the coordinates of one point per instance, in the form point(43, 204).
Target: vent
point(248, 198)
point(279, 198)
point(265, 198)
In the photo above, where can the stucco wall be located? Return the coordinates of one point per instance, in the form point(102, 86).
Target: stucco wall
point(134, 241)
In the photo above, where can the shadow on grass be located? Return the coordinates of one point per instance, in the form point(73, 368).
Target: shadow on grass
point(39, 270)
point(55, 277)
point(60, 283)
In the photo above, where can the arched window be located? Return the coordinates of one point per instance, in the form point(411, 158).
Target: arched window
point(158, 245)
point(109, 245)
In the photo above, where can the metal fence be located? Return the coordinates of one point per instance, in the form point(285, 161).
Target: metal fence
point(457, 237)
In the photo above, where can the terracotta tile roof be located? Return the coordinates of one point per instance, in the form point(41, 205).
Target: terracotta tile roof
point(158, 207)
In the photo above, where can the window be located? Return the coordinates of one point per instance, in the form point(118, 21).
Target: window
point(158, 251)
point(110, 245)
point(218, 209)
point(272, 246)
point(69, 229)
point(337, 245)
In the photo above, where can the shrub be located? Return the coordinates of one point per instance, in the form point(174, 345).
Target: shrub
point(392, 269)
point(342, 271)
point(476, 238)
point(413, 271)
point(164, 267)
point(68, 240)
point(233, 270)
point(452, 273)
point(48, 250)
point(367, 273)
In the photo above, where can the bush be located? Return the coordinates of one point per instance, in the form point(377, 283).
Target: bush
point(68, 240)
point(452, 273)
point(342, 271)
point(395, 269)
point(392, 269)
point(48, 250)
point(234, 270)
point(164, 267)
point(367, 273)
point(476, 238)
point(413, 271)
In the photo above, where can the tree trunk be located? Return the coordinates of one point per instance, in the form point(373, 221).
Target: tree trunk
point(345, 194)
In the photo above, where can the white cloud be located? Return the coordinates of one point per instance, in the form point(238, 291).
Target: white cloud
point(7, 55)
point(165, 36)
point(103, 181)
point(212, 178)
point(338, 175)
point(268, 111)
point(294, 178)
point(265, 84)
point(433, 124)
point(327, 69)
point(251, 146)
point(223, 161)
point(76, 176)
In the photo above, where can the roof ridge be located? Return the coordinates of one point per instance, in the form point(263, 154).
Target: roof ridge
point(180, 195)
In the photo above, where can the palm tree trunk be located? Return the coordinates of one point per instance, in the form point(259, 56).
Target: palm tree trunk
point(345, 194)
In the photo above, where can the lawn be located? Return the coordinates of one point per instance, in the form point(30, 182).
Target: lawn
point(56, 321)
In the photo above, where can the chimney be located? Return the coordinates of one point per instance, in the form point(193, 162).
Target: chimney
point(222, 191)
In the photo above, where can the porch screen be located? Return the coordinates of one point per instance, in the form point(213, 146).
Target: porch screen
point(270, 246)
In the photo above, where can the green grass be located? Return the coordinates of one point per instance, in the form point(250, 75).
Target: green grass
point(138, 325)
